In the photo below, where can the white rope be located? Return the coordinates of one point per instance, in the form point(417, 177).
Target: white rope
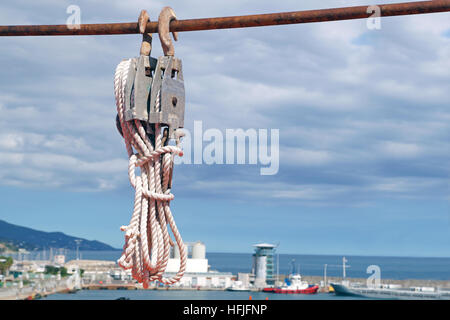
point(147, 239)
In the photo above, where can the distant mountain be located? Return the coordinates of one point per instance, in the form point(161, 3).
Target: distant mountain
point(21, 237)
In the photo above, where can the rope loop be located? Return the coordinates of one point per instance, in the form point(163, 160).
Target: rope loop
point(147, 239)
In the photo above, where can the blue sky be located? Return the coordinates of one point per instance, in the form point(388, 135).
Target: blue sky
point(363, 118)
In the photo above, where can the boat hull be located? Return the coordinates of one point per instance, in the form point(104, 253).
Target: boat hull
point(342, 290)
point(238, 289)
point(309, 290)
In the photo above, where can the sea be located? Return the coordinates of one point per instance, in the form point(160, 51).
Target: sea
point(396, 268)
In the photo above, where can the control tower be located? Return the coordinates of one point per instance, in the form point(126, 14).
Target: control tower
point(263, 266)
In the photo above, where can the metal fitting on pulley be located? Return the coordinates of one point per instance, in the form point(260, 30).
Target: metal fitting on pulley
point(140, 77)
point(154, 90)
point(167, 102)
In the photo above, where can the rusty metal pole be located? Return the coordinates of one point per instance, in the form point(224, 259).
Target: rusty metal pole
point(347, 13)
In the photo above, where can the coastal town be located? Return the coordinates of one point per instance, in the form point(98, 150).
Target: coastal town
point(23, 278)
point(29, 279)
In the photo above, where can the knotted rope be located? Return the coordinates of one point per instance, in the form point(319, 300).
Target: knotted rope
point(147, 240)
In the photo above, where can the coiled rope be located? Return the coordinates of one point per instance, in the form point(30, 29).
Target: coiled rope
point(147, 241)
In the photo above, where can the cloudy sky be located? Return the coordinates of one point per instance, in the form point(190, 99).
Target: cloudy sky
point(363, 116)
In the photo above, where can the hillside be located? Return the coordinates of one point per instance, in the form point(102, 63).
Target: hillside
point(14, 236)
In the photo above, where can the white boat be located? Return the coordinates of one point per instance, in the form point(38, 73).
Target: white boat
point(238, 286)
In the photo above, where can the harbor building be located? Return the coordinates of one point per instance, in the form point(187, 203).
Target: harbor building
point(60, 259)
point(198, 273)
point(263, 264)
point(196, 263)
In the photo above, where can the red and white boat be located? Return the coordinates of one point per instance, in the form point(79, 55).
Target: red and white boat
point(294, 285)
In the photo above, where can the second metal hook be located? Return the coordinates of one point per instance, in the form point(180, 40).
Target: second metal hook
point(165, 17)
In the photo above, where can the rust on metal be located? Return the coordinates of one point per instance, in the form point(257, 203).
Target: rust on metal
point(323, 15)
point(146, 45)
point(166, 16)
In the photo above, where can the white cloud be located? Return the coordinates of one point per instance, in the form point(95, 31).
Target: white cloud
point(302, 157)
point(405, 185)
point(11, 158)
point(399, 150)
point(49, 170)
point(10, 141)
point(344, 98)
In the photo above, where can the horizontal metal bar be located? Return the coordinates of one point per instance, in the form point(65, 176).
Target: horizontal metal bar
point(347, 13)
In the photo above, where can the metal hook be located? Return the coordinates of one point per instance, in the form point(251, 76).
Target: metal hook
point(146, 46)
point(165, 17)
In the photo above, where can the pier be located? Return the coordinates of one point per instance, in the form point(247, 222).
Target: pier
point(33, 279)
point(48, 287)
